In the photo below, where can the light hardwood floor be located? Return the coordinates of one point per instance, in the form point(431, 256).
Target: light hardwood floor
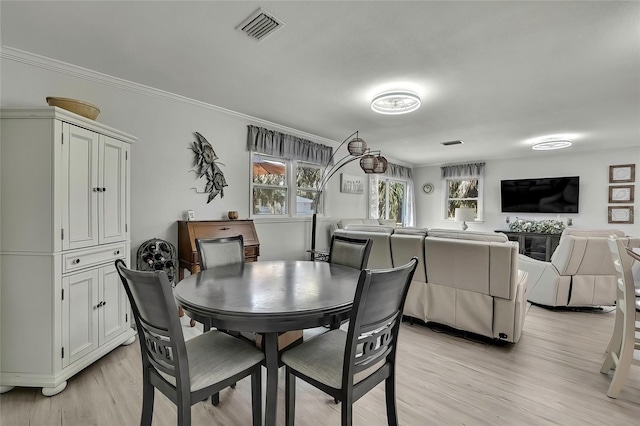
point(550, 377)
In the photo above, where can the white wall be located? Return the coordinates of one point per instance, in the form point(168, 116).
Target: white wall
point(592, 167)
point(161, 159)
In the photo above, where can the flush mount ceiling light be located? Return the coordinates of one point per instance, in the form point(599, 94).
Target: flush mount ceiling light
point(398, 102)
point(551, 144)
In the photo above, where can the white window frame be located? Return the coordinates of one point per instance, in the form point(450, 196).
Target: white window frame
point(294, 169)
point(286, 186)
point(387, 180)
point(290, 185)
point(479, 199)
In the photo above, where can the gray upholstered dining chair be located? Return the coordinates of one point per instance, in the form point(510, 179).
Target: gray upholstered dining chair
point(346, 365)
point(351, 252)
point(185, 372)
point(214, 252)
point(620, 351)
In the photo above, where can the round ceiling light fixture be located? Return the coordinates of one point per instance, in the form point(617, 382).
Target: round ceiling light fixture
point(397, 102)
point(551, 144)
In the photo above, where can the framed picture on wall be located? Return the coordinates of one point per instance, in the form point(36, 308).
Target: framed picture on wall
point(622, 173)
point(620, 214)
point(621, 194)
point(351, 184)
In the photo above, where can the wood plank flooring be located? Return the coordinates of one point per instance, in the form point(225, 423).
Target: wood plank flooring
point(550, 377)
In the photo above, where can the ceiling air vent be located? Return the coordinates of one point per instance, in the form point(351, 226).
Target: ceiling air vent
point(260, 24)
point(451, 143)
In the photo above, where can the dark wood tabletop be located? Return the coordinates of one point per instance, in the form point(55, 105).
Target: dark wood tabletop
point(270, 297)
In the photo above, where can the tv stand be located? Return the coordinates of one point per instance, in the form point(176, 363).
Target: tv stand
point(534, 245)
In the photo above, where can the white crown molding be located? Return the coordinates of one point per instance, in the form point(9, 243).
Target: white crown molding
point(50, 64)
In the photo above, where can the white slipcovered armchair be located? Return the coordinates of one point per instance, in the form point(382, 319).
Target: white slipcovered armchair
point(581, 272)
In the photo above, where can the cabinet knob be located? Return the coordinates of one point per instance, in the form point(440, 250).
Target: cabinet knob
point(76, 261)
point(104, 189)
point(224, 229)
point(117, 252)
point(96, 189)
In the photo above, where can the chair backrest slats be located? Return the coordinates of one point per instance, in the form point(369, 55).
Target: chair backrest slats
point(220, 251)
point(374, 321)
point(624, 277)
point(156, 316)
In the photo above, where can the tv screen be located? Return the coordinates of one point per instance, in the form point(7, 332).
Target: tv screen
point(544, 195)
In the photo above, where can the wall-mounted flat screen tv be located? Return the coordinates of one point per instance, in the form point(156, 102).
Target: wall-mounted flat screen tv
point(543, 195)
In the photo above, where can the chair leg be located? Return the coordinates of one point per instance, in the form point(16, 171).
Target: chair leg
point(256, 396)
point(622, 369)
point(289, 397)
point(215, 399)
point(390, 396)
point(616, 337)
point(184, 413)
point(148, 393)
point(346, 413)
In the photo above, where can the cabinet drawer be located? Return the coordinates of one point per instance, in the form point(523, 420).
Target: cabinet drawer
point(94, 256)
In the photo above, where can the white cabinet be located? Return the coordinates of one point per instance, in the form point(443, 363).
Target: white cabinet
point(64, 220)
point(94, 311)
point(94, 197)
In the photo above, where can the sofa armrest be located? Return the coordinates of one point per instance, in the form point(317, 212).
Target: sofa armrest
point(542, 281)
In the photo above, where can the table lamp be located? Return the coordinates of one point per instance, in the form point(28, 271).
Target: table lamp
point(465, 215)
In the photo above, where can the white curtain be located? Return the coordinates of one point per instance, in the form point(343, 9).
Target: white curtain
point(374, 197)
point(409, 218)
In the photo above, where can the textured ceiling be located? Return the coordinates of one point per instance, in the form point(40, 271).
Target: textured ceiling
point(493, 74)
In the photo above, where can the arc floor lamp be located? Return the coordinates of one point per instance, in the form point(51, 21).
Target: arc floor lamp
point(370, 162)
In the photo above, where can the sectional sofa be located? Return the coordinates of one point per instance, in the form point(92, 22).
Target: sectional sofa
point(467, 280)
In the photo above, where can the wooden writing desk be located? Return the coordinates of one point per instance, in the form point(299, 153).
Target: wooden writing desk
point(188, 232)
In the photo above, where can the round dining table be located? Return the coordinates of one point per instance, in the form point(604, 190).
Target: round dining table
point(270, 297)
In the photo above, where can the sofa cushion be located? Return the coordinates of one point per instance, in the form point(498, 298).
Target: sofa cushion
point(411, 231)
point(343, 223)
point(484, 267)
point(592, 232)
point(387, 222)
point(497, 237)
point(370, 228)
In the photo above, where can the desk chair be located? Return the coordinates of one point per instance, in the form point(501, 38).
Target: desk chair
point(351, 252)
point(347, 365)
point(185, 372)
point(624, 341)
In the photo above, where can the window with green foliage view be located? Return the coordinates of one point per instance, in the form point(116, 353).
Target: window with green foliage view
point(276, 191)
point(391, 199)
point(462, 193)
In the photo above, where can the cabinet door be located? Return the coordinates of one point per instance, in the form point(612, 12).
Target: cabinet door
point(80, 183)
point(79, 315)
point(113, 314)
point(113, 184)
